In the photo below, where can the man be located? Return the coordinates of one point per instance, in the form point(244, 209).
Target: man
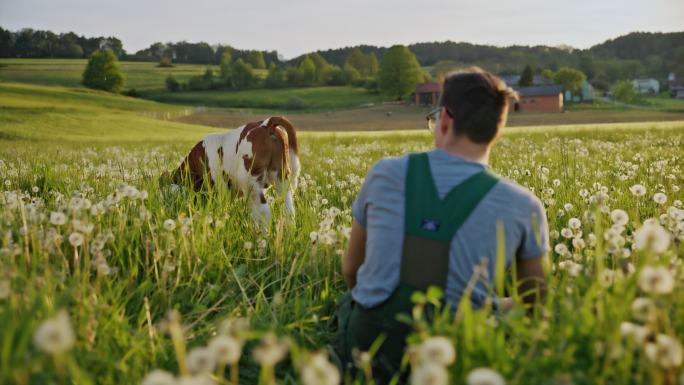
point(431, 219)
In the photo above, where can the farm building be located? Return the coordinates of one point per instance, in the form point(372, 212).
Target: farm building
point(537, 80)
point(646, 85)
point(676, 86)
point(584, 95)
point(548, 98)
point(427, 94)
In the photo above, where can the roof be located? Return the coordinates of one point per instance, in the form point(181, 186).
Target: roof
point(428, 87)
point(513, 80)
point(551, 90)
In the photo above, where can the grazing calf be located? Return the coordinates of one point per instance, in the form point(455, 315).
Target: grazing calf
point(250, 159)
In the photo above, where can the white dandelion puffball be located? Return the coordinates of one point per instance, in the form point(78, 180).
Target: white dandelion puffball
point(76, 239)
point(484, 376)
point(574, 223)
point(319, 371)
point(665, 351)
point(226, 349)
point(57, 218)
point(169, 225)
point(430, 374)
point(159, 377)
point(55, 335)
point(660, 198)
point(271, 351)
point(652, 237)
point(438, 350)
point(656, 280)
point(201, 360)
point(643, 309)
point(619, 217)
point(638, 190)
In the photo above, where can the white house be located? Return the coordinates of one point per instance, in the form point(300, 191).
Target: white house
point(646, 85)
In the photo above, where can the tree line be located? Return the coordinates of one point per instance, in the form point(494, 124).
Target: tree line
point(30, 43)
point(239, 72)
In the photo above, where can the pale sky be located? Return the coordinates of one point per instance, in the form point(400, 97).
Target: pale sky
point(293, 27)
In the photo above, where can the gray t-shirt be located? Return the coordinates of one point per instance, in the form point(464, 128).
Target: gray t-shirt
point(380, 209)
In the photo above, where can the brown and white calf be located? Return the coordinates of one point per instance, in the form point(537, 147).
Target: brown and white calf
point(250, 159)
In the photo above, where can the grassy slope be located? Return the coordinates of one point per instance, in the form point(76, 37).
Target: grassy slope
point(67, 72)
point(34, 112)
point(149, 79)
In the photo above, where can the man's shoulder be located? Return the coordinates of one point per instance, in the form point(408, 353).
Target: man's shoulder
point(393, 167)
point(516, 194)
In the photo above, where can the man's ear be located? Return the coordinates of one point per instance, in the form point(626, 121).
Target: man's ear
point(445, 122)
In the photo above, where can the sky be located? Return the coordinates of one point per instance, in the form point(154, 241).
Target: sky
point(294, 27)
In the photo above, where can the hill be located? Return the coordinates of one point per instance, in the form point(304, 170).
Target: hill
point(33, 112)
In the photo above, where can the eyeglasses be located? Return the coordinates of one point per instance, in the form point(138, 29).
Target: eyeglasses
point(432, 118)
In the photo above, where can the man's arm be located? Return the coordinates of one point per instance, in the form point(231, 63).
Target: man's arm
point(356, 253)
point(531, 279)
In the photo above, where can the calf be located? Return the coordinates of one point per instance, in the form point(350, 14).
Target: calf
point(250, 158)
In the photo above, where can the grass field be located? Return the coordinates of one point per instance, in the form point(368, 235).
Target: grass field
point(314, 98)
point(147, 277)
point(68, 72)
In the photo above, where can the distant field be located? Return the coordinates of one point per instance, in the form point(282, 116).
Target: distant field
point(400, 117)
point(315, 98)
point(32, 112)
point(67, 72)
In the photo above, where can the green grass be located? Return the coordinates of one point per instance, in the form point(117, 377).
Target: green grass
point(665, 102)
point(33, 112)
point(68, 72)
point(68, 151)
point(149, 81)
point(315, 98)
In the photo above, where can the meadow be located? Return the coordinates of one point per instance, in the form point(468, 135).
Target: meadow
point(108, 277)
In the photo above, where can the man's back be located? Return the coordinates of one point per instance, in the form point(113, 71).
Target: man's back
point(380, 208)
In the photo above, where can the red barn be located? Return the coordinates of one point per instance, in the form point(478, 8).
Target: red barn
point(427, 94)
point(546, 98)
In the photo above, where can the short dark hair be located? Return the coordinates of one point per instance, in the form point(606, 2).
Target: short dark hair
point(477, 101)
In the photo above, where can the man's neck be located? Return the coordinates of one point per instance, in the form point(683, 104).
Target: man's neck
point(464, 148)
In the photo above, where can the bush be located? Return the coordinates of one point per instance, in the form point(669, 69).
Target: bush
point(371, 85)
point(277, 78)
point(624, 91)
point(172, 84)
point(103, 72)
point(165, 62)
point(132, 93)
point(296, 103)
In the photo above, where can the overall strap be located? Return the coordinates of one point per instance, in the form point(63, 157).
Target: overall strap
point(430, 223)
point(428, 216)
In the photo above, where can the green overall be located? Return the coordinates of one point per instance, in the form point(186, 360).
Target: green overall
point(430, 225)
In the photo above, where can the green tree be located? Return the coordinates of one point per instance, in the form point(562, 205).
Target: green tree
point(570, 78)
point(103, 72)
point(308, 71)
point(399, 72)
point(172, 84)
point(226, 57)
point(256, 59)
point(527, 77)
point(322, 68)
point(373, 64)
point(277, 78)
point(351, 74)
point(293, 76)
point(548, 74)
point(356, 59)
point(242, 74)
point(624, 91)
